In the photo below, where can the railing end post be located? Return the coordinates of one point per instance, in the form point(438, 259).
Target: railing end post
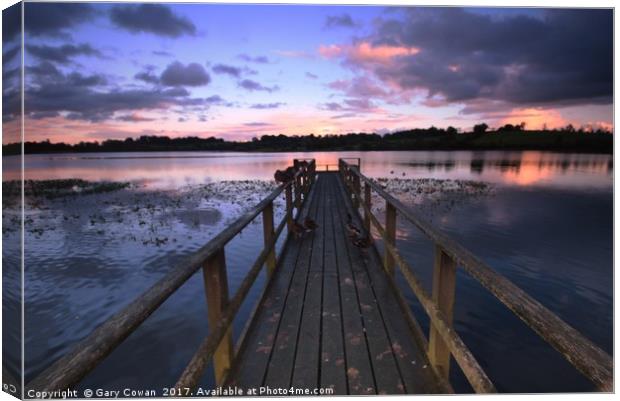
point(444, 283)
point(390, 232)
point(216, 289)
point(268, 234)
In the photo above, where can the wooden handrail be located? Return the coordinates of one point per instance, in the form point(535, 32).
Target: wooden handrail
point(194, 370)
point(70, 369)
point(462, 355)
point(585, 356)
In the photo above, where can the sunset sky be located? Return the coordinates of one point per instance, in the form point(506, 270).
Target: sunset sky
point(99, 71)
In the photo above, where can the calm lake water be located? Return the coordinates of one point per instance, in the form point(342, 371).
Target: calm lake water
point(548, 227)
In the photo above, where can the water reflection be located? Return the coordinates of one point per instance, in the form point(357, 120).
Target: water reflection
point(176, 169)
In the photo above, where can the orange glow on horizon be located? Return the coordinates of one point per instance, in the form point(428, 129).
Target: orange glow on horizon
point(535, 118)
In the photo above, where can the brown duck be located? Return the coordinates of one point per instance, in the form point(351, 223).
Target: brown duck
point(352, 229)
point(362, 242)
point(298, 230)
point(310, 224)
point(283, 176)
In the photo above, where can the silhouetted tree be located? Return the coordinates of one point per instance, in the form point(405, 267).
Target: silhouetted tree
point(432, 138)
point(480, 128)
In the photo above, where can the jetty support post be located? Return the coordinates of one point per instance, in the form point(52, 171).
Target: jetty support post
point(390, 233)
point(444, 282)
point(268, 234)
point(216, 288)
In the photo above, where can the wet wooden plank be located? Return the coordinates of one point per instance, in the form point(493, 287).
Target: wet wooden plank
point(280, 368)
point(412, 361)
point(308, 350)
point(333, 367)
point(386, 372)
point(360, 377)
point(253, 357)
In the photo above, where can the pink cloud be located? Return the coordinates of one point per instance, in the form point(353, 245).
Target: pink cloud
point(330, 51)
point(364, 52)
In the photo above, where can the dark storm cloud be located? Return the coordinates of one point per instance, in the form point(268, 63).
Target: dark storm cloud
point(177, 74)
point(43, 71)
point(162, 53)
point(56, 19)
point(86, 97)
point(331, 106)
point(252, 86)
point(265, 106)
point(11, 22)
point(10, 74)
point(217, 99)
point(62, 54)
point(77, 79)
point(133, 118)
point(564, 57)
point(357, 105)
point(10, 54)
point(340, 21)
point(147, 76)
point(227, 69)
point(151, 18)
point(258, 124)
point(84, 103)
point(257, 59)
point(43, 114)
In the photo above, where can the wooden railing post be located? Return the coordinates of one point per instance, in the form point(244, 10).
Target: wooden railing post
point(268, 234)
point(367, 210)
point(297, 192)
point(357, 189)
point(289, 208)
point(306, 182)
point(390, 233)
point(444, 281)
point(216, 288)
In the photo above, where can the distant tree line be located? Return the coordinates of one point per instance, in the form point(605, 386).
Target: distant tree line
point(508, 137)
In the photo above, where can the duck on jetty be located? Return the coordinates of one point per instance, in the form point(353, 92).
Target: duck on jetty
point(284, 176)
point(355, 234)
point(297, 230)
point(352, 229)
point(301, 165)
point(364, 242)
point(310, 224)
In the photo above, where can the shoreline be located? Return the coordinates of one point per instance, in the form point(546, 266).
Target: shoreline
point(280, 151)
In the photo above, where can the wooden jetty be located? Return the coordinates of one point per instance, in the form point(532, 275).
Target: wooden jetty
point(331, 315)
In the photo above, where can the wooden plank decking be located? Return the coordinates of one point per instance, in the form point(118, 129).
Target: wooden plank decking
point(329, 317)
